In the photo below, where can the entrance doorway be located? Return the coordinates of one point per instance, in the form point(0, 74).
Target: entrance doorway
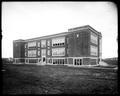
point(43, 56)
point(43, 59)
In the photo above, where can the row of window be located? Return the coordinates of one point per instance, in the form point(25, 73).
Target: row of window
point(55, 61)
point(32, 60)
point(58, 52)
point(58, 41)
point(55, 52)
point(59, 44)
point(78, 62)
point(33, 44)
point(55, 42)
point(58, 61)
point(93, 61)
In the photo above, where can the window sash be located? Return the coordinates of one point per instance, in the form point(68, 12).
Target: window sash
point(94, 38)
point(43, 43)
point(32, 53)
point(59, 40)
point(31, 44)
point(58, 52)
point(93, 50)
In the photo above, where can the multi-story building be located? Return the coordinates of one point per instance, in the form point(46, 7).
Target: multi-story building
point(78, 46)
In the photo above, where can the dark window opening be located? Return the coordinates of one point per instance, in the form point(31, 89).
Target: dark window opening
point(78, 62)
point(43, 59)
point(75, 61)
point(63, 61)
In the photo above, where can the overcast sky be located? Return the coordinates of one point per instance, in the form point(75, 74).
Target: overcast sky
point(24, 20)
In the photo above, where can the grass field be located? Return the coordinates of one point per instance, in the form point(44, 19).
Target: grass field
point(32, 79)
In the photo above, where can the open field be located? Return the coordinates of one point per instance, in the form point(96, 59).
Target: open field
point(111, 62)
point(33, 79)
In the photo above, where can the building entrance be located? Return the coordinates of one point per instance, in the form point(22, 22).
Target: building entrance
point(44, 59)
point(43, 56)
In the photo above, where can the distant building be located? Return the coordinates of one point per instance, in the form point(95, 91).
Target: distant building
point(78, 46)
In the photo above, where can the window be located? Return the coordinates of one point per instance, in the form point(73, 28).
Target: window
point(94, 38)
point(67, 40)
point(58, 61)
point(32, 53)
point(58, 51)
point(43, 43)
point(53, 61)
point(93, 50)
point(38, 44)
point(33, 60)
point(61, 61)
point(38, 53)
point(25, 53)
point(48, 52)
point(31, 44)
point(93, 61)
point(43, 52)
point(58, 41)
point(77, 35)
point(78, 62)
point(48, 43)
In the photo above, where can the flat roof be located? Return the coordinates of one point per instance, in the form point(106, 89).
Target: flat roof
point(82, 28)
point(48, 36)
point(71, 30)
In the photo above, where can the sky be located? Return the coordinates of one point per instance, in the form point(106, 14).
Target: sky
point(24, 20)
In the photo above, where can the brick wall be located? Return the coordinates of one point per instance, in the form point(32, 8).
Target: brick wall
point(18, 49)
point(78, 46)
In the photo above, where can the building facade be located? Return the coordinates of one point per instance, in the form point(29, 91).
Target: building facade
point(78, 46)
